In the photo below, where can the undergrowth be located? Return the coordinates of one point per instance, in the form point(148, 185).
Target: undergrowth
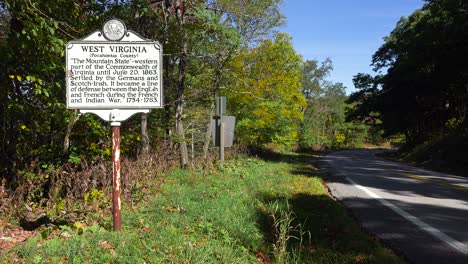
point(251, 210)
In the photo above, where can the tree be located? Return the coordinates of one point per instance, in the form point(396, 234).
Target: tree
point(425, 84)
point(253, 20)
point(213, 33)
point(324, 117)
point(266, 95)
point(33, 110)
point(313, 77)
point(179, 22)
point(364, 105)
point(313, 80)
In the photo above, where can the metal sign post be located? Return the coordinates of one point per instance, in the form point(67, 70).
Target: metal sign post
point(116, 187)
point(221, 141)
point(114, 73)
point(220, 110)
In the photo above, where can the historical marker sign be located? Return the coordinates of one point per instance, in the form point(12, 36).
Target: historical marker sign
point(104, 74)
point(114, 73)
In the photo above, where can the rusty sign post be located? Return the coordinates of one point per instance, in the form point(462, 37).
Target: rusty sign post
point(114, 73)
point(116, 179)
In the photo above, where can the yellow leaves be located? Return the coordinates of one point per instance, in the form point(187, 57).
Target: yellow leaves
point(37, 82)
point(294, 134)
point(107, 152)
point(268, 100)
point(23, 127)
point(17, 77)
point(79, 225)
point(262, 113)
point(264, 117)
point(340, 137)
point(31, 78)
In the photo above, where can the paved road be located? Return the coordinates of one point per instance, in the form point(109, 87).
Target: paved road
point(420, 213)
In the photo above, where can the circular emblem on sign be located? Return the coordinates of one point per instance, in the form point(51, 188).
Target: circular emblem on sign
point(114, 29)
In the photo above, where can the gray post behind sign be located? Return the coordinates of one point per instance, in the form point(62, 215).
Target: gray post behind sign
point(221, 140)
point(220, 110)
point(220, 105)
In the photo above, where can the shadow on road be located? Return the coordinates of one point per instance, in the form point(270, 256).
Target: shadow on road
point(319, 216)
point(429, 197)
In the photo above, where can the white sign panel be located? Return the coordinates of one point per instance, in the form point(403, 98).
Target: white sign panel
point(114, 75)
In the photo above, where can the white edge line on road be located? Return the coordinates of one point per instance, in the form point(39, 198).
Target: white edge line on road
point(459, 246)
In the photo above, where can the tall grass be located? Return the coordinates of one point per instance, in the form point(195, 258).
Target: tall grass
point(289, 237)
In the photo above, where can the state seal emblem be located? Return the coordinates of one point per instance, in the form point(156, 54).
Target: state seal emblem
point(114, 30)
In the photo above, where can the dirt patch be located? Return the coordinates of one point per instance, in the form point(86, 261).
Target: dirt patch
point(10, 236)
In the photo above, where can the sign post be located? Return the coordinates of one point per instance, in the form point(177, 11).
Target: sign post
point(220, 110)
point(116, 179)
point(114, 73)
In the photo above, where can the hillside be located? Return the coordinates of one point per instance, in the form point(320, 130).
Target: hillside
point(448, 154)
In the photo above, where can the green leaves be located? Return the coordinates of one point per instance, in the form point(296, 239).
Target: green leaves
point(74, 159)
point(425, 85)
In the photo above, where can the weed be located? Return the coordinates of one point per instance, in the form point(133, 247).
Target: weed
point(286, 232)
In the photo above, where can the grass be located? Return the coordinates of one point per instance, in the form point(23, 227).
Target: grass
point(270, 209)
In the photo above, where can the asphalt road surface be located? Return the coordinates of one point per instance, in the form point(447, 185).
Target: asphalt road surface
point(421, 214)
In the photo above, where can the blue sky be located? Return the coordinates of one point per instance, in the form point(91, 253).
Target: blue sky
point(347, 31)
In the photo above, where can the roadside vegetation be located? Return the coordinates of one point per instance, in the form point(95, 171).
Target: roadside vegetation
point(179, 203)
point(55, 162)
point(273, 208)
point(445, 154)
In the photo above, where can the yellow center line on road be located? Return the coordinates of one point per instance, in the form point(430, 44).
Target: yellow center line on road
point(440, 183)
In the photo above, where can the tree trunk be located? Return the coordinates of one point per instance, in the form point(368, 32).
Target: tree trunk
point(66, 141)
point(206, 144)
point(179, 107)
point(193, 147)
point(167, 106)
point(144, 134)
point(181, 134)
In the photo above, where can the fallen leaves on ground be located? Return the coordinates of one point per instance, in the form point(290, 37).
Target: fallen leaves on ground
point(10, 237)
point(263, 258)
